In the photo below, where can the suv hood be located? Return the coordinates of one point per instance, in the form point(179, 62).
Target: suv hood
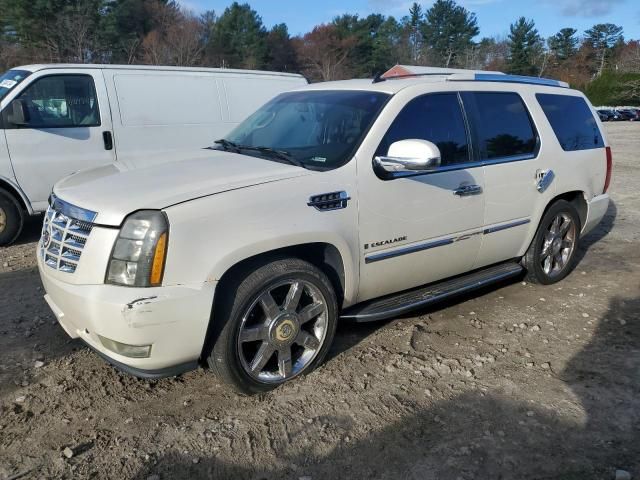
point(114, 191)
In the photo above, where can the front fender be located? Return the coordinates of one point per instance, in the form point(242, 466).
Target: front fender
point(210, 235)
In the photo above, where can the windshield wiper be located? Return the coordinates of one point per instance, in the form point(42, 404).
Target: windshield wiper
point(228, 145)
point(280, 154)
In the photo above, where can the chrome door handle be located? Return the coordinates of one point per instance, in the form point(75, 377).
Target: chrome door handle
point(467, 190)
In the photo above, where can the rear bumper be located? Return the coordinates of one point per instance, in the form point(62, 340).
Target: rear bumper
point(173, 320)
point(596, 210)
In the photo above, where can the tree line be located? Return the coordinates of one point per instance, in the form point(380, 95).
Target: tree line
point(160, 32)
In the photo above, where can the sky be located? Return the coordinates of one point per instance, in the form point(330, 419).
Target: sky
point(494, 16)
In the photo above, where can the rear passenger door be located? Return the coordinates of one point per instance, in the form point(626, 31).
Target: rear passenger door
point(506, 142)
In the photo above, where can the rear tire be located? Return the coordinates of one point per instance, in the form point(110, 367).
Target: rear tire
point(552, 253)
point(276, 322)
point(11, 219)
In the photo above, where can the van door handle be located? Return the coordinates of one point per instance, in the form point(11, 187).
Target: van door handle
point(108, 140)
point(468, 190)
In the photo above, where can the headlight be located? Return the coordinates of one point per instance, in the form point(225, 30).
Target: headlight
point(139, 253)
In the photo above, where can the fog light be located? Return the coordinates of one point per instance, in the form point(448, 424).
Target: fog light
point(131, 351)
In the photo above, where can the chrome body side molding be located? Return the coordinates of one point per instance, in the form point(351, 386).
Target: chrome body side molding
point(376, 257)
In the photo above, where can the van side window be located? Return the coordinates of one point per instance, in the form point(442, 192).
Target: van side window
point(61, 101)
point(436, 118)
point(572, 121)
point(502, 124)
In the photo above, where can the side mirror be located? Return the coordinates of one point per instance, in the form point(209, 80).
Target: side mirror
point(18, 114)
point(409, 156)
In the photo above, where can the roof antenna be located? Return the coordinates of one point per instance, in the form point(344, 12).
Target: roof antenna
point(379, 77)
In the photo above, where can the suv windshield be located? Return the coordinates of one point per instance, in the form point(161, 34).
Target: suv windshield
point(10, 79)
point(316, 129)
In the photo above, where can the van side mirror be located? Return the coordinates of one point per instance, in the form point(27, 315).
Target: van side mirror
point(409, 156)
point(18, 114)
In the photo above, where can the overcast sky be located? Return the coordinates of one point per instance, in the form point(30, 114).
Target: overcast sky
point(494, 16)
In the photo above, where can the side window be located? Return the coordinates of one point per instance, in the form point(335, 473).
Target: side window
point(436, 118)
point(572, 121)
point(502, 124)
point(61, 101)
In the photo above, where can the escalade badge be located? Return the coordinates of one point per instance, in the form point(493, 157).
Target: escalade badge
point(384, 242)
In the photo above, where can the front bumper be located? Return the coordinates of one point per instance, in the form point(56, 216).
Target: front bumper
point(596, 210)
point(173, 320)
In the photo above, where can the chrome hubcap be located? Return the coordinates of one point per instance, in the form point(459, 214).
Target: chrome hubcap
point(558, 245)
point(3, 220)
point(282, 331)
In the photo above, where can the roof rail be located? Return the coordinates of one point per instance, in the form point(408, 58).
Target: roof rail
point(490, 77)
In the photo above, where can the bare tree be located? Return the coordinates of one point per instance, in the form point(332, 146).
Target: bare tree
point(324, 51)
point(178, 40)
point(628, 58)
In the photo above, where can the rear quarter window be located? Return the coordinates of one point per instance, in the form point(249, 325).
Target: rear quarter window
point(572, 121)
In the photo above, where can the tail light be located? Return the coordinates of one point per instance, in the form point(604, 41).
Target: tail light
point(607, 179)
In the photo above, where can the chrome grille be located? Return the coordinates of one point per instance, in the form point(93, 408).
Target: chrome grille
point(64, 237)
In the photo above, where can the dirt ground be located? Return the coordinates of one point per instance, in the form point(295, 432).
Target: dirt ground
point(517, 382)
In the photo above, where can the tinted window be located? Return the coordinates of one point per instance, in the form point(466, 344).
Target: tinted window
point(436, 118)
point(572, 121)
point(502, 124)
point(61, 101)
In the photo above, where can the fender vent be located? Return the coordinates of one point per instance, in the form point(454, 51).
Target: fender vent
point(329, 201)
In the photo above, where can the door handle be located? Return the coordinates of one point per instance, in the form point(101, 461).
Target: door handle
point(108, 140)
point(468, 190)
point(544, 179)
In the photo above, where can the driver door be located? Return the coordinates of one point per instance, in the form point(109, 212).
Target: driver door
point(421, 227)
point(63, 125)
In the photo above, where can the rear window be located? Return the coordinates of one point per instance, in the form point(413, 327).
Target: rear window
point(572, 121)
point(502, 125)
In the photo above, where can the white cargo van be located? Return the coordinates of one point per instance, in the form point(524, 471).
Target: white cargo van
point(58, 119)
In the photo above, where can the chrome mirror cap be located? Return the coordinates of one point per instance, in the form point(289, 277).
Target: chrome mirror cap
point(409, 156)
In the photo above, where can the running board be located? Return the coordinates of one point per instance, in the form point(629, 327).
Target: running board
point(394, 305)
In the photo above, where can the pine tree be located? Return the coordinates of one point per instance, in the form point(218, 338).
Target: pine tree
point(524, 45)
point(564, 44)
point(448, 31)
point(602, 38)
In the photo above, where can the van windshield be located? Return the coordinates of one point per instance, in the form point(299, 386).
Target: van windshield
point(10, 79)
point(319, 130)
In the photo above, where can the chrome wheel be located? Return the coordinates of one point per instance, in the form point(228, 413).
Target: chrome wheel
point(3, 220)
point(282, 331)
point(558, 244)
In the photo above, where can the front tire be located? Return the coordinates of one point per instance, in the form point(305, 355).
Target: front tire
point(279, 324)
point(552, 254)
point(11, 219)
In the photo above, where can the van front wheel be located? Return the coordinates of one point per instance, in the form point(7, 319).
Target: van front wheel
point(279, 324)
point(11, 219)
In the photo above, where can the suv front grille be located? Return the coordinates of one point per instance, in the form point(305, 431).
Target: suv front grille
point(64, 237)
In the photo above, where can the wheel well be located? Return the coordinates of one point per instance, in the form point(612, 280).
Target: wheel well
point(10, 189)
point(324, 256)
point(577, 200)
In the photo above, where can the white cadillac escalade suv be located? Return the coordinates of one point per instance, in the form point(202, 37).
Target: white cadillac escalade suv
point(357, 200)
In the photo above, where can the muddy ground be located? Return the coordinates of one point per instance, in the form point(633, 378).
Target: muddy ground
point(517, 382)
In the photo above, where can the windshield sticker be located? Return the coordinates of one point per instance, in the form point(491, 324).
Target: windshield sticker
point(8, 84)
point(319, 159)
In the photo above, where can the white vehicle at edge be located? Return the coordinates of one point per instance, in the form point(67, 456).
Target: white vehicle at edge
point(58, 119)
point(348, 199)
